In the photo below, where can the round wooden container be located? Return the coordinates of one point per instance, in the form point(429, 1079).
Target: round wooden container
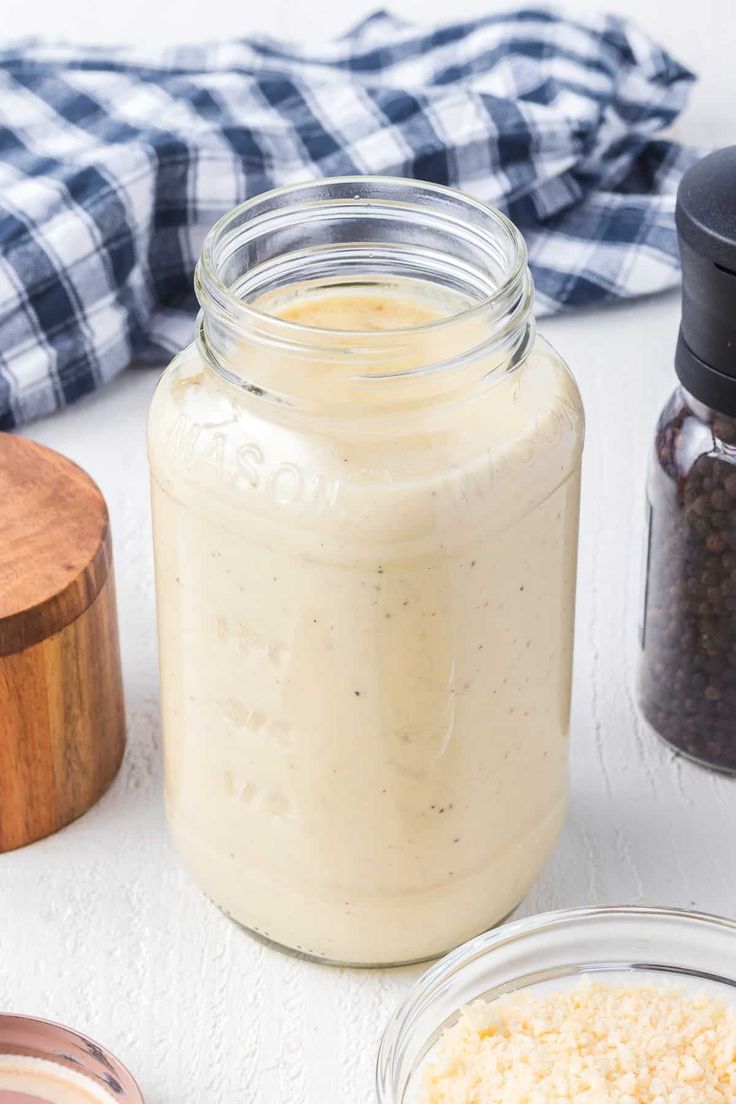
point(62, 723)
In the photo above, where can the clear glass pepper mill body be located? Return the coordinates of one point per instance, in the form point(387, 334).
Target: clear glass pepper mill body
point(688, 662)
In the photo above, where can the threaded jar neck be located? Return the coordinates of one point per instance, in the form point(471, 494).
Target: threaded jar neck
point(364, 233)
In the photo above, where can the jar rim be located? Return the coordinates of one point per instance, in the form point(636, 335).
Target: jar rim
point(213, 291)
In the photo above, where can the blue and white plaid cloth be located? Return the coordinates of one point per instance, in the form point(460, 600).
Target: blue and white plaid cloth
point(114, 163)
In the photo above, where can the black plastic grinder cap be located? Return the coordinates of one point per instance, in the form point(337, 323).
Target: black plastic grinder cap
point(706, 224)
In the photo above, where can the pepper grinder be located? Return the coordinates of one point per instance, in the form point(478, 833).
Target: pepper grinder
point(688, 659)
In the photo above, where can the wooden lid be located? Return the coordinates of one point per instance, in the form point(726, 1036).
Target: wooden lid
point(55, 550)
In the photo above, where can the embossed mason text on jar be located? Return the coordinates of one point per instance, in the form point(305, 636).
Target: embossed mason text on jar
point(365, 479)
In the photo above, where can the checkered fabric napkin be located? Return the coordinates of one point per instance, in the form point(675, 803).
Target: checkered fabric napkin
point(114, 163)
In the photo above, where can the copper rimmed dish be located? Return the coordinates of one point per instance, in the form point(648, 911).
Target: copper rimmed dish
point(27, 1037)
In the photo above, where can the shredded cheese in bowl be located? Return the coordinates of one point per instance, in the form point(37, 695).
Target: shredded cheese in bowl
point(592, 1044)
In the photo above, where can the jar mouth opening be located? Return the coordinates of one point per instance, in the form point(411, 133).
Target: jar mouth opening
point(487, 232)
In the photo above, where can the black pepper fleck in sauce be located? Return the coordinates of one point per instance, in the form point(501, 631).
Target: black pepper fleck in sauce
point(688, 665)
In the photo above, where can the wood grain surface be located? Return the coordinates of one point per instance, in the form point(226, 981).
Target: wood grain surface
point(62, 724)
point(62, 721)
point(55, 549)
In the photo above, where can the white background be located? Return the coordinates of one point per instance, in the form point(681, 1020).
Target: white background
point(99, 926)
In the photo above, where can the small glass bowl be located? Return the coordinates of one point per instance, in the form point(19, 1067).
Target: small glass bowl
point(555, 949)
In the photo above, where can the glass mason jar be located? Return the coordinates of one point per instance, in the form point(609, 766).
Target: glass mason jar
point(365, 480)
point(688, 661)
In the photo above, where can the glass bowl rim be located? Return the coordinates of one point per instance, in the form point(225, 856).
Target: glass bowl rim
point(515, 931)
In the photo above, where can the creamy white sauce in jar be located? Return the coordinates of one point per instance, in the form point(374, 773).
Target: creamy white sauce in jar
point(366, 627)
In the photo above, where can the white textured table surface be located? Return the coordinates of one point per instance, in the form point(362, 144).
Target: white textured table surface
point(100, 927)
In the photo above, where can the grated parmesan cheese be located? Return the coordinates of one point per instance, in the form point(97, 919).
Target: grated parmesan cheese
point(594, 1044)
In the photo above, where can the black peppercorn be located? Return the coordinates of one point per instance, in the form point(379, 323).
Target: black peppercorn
point(688, 668)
